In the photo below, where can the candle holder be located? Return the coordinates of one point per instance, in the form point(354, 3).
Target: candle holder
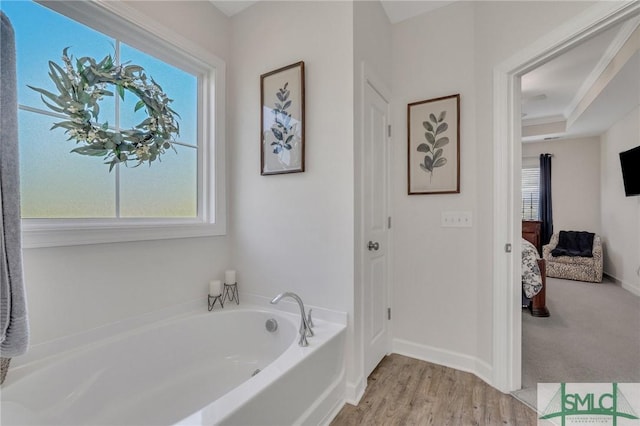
point(231, 292)
point(212, 301)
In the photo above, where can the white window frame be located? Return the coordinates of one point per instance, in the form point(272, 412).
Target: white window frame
point(134, 28)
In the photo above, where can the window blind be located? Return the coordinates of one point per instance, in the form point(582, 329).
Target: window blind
point(530, 193)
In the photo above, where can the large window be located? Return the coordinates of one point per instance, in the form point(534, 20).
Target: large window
point(63, 191)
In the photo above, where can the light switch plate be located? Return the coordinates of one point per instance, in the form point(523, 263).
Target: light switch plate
point(457, 219)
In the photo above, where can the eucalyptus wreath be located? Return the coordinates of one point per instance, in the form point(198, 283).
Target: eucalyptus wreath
point(81, 87)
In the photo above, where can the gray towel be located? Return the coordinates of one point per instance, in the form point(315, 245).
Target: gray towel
point(14, 325)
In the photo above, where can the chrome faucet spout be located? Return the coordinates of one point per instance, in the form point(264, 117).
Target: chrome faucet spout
point(304, 330)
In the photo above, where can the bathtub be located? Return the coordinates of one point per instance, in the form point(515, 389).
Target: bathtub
point(200, 368)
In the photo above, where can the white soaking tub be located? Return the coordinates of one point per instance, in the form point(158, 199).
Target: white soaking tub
point(195, 369)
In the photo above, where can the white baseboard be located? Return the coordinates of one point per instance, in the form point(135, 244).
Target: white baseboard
point(634, 289)
point(631, 288)
point(445, 357)
point(355, 391)
point(484, 371)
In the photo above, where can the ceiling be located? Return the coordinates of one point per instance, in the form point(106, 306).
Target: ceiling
point(232, 7)
point(396, 10)
point(399, 10)
point(567, 97)
point(586, 89)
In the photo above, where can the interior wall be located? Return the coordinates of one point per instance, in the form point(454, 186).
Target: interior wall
point(620, 214)
point(433, 297)
point(443, 277)
point(371, 42)
point(199, 21)
point(294, 232)
point(74, 289)
point(575, 181)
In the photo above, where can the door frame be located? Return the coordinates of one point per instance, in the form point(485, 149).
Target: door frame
point(507, 319)
point(367, 77)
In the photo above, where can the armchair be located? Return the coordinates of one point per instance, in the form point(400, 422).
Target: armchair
point(574, 268)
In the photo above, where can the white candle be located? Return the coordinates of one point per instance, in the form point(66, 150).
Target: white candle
point(230, 277)
point(215, 288)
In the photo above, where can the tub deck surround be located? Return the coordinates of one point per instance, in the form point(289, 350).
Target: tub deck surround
point(190, 368)
point(287, 305)
point(54, 347)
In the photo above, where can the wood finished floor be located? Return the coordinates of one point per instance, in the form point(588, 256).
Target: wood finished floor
point(406, 391)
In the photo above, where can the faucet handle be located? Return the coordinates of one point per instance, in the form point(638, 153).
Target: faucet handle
point(303, 340)
point(309, 320)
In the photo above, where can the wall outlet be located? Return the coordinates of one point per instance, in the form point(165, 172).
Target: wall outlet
point(456, 219)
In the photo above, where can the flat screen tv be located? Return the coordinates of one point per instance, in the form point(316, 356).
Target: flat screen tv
point(630, 163)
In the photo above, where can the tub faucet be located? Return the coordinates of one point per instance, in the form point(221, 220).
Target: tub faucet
point(305, 330)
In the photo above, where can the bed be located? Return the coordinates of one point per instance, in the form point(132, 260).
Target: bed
point(533, 280)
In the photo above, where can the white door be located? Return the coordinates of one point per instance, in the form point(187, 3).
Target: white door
point(376, 121)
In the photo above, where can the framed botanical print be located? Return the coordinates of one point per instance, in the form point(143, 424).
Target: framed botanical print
point(433, 129)
point(282, 120)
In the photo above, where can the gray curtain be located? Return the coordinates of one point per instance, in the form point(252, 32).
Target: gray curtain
point(545, 208)
point(14, 325)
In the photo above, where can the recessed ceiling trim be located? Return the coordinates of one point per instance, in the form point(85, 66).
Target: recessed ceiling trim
point(543, 120)
point(541, 130)
point(626, 31)
point(630, 47)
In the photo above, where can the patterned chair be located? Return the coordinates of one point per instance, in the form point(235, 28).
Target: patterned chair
point(574, 268)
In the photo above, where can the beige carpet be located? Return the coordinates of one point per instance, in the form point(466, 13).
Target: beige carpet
point(592, 335)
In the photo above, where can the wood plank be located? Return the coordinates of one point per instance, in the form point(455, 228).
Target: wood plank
point(406, 391)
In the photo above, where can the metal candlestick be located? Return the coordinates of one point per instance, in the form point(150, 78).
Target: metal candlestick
point(212, 301)
point(231, 292)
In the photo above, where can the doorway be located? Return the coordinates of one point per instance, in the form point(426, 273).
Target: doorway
point(375, 222)
point(507, 321)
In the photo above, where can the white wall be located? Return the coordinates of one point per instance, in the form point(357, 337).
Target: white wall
point(620, 214)
point(198, 21)
point(294, 232)
point(575, 181)
point(371, 40)
point(434, 297)
point(74, 289)
point(443, 278)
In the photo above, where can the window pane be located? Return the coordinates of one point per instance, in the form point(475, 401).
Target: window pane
point(179, 85)
point(41, 34)
point(55, 183)
point(58, 184)
point(164, 189)
point(530, 193)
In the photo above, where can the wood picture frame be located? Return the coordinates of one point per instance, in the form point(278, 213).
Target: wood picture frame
point(282, 124)
point(433, 156)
